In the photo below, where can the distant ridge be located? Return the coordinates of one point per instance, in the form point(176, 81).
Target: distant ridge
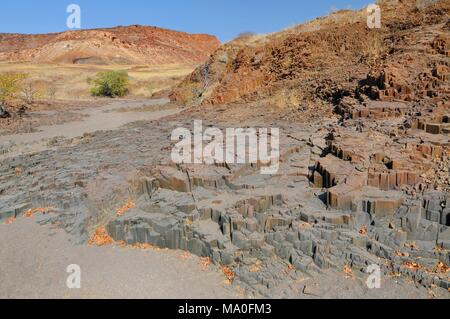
point(119, 45)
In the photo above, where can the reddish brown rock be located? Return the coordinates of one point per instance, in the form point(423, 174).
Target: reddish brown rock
point(120, 45)
point(333, 171)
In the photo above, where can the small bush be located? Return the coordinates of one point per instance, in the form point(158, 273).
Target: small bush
point(51, 92)
point(245, 35)
point(373, 48)
point(111, 84)
point(29, 93)
point(10, 85)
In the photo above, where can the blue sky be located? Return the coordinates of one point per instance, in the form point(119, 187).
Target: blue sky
point(223, 18)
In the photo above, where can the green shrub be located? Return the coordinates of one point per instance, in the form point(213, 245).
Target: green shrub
point(111, 83)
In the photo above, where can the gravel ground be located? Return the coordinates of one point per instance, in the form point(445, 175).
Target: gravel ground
point(34, 259)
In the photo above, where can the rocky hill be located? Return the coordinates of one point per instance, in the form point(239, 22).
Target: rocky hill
point(120, 45)
point(325, 60)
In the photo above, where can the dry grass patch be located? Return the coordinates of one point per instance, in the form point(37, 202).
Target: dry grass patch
point(73, 82)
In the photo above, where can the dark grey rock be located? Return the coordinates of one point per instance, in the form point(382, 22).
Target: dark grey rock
point(306, 247)
point(198, 248)
point(239, 240)
point(4, 113)
point(433, 216)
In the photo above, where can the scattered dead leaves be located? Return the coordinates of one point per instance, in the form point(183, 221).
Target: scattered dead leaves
point(100, 238)
point(136, 246)
point(205, 262)
point(412, 265)
point(256, 267)
point(288, 269)
point(141, 246)
point(401, 254)
point(395, 274)
point(229, 273)
point(121, 243)
point(125, 208)
point(10, 220)
point(438, 249)
point(348, 271)
point(411, 245)
point(442, 268)
point(41, 210)
point(30, 213)
point(185, 256)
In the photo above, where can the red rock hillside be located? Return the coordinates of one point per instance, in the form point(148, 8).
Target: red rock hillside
point(331, 58)
point(120, 45)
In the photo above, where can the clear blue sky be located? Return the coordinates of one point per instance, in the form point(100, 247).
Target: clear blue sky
point(223, 18)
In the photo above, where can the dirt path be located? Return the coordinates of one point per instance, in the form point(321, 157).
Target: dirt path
point(103, 118)
point(111, 116)
point(34, 259)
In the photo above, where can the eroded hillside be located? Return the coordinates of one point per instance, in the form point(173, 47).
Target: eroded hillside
point(120, 45)
point(322, 61)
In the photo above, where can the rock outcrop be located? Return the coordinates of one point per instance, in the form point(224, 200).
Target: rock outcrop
point(330, 58)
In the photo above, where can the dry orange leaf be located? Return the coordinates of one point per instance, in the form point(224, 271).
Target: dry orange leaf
point(256, 267)
point(19, 170)
point(41, 210)
point(442, 268)
point(363, 231)
point(348, 271)
point(185, 256)
point(122, 210)
point(143, 246)
point(411, 245)
point(438, 249)
point(101, 237)
point(394, 274)
point(205, 262)
point(121, 243)
point(412, 265)
point(401, 254)
point(10, 220)
point(229, 273)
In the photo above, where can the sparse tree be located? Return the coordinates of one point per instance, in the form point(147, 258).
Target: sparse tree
point(29, 93)
point(10, 85)
point(204, 72)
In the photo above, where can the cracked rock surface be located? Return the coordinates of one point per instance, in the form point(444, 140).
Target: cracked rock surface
point(319, 214)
